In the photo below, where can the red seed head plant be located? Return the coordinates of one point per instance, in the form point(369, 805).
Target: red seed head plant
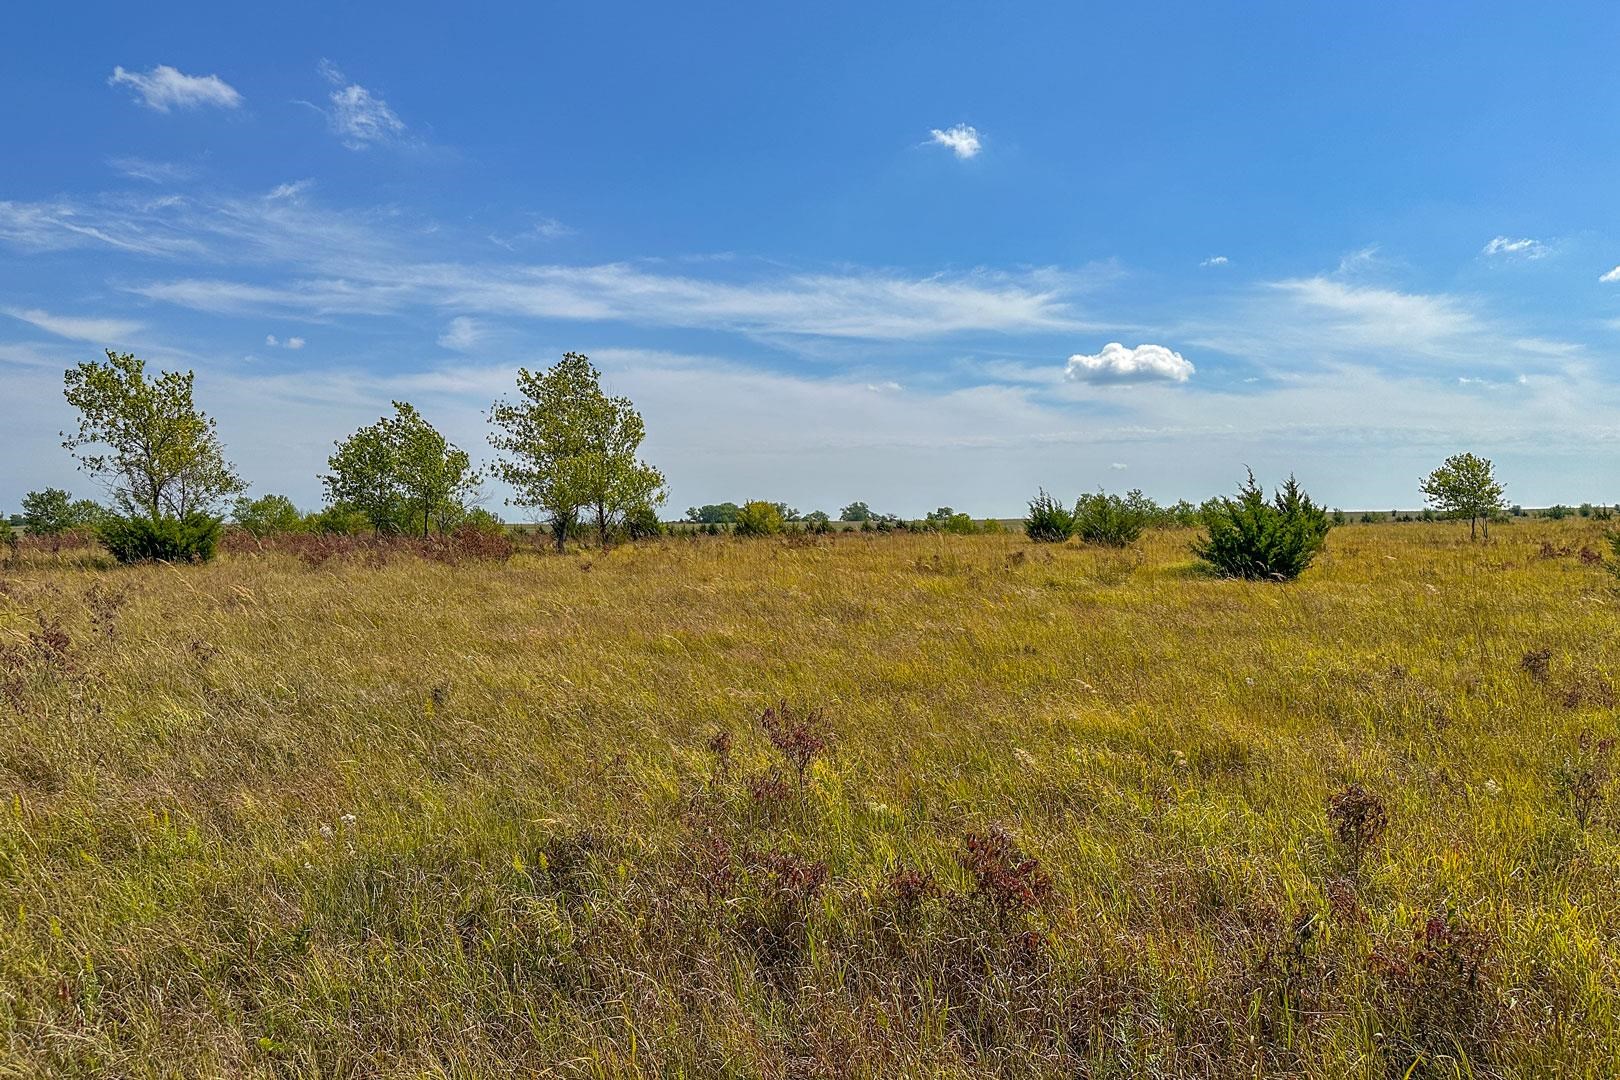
point(720, 746)
point(1358, 819)
point(1584, 777)
point(1006, 879)
point(799, 735)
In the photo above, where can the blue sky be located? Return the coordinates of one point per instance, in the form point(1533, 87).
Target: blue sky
point(911, 254)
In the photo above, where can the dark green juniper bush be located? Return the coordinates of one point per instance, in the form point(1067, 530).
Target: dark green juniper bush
point(1250, 537)
point(1048, 521)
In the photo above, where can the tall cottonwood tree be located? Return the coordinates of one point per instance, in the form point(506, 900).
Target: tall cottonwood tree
point(1465, 486)
point(146, 440)
point(569, 449)
point(402, 474)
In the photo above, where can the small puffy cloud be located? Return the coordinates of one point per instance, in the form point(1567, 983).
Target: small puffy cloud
point(889, 387)
point(551, 229)
point(962, 140)
point(1611, 277)
point(164, 88)
point(1521, 247)
point(295, 343)
point(1215, 260)
point(360, 118)
point(1118, 465)
point(1116, 363)
point(462, 334)
point(291, 343)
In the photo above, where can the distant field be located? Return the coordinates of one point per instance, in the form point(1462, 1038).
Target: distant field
point(1071, 816)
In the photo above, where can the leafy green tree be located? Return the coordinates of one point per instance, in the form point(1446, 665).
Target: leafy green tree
point(857, 511)
point(571, 449)
point(620, 487)
point(817, 517)
point(436, 478)
point(1248, 537)
point(402, 474)
point(713, 513)
point(759, 518)
point(146, 440)
point(1465, 486)
point(267, 515)
point(52, 511)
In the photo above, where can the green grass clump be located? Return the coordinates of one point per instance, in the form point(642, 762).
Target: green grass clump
point(868, 805)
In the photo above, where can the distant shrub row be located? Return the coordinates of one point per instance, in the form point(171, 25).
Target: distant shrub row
point(1246, 537)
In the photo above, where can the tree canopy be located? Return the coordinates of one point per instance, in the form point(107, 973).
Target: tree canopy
point(1465, 486)
point(402, 474)
point(145, 438)
point(569, 448)
point(52, 511)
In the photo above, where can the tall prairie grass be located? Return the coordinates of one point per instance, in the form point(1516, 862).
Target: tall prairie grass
point(849, 806)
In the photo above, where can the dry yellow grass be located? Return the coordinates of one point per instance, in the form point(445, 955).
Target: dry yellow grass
point(424, 819)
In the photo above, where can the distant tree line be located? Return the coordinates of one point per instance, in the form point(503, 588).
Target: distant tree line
point(570, 454)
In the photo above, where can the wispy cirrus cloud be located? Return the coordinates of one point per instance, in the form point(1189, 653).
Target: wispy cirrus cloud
point(360, 118)
point(101, 330)
point(850, 305)
point(164, 88)
point(155, 172)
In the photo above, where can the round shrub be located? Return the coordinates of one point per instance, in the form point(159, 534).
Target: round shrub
point(758, 518)
point(193, 538)
point(1248, 537)
point(1049, 521)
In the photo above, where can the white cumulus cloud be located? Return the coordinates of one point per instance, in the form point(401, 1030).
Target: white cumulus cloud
point(1116, 363)
point(291, 343)
point(164, 88)
point(1215, 260)
point(1611, 276)
point(962, 140)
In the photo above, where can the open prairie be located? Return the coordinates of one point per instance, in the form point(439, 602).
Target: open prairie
point(1028, 810)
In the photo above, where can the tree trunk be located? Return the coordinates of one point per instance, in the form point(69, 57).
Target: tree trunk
point(601, 526)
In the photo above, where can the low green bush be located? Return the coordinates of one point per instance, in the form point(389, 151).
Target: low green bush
point(1113, 521)
point(758, 518)
point(193, 538)
point(1249, 537)
point(1049, 521)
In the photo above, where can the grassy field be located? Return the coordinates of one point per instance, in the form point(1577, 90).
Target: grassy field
point(1061, 812)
